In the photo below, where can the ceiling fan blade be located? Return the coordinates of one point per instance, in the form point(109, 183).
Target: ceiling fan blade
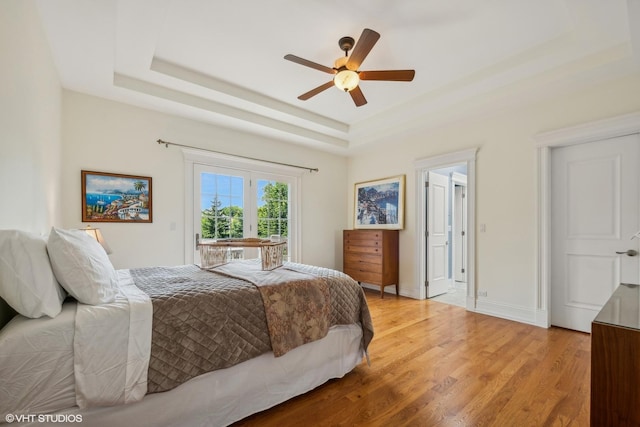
point(365, 43)
point(314, 92)
point(308, 63)
point(358, 96)
point(389, 75)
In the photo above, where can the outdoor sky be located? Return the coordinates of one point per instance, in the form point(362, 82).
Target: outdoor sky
point(228, 188)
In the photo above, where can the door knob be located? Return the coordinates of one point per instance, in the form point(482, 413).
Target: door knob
point(630, 252)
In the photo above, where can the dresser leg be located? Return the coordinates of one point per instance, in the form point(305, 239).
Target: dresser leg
point(397, 290)
point(381, 291)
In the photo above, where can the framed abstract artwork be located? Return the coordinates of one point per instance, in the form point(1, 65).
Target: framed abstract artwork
point(111, 197)
point(380, 204)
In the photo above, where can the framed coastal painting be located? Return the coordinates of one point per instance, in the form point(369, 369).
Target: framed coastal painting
point(112, 197)
point(380, 204)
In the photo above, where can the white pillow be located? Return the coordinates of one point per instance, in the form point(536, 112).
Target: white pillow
point(27, 282)
point(82, 266)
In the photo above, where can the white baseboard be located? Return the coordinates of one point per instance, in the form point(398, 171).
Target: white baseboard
point(502, 310)
point(511, 312)
point(392, 290)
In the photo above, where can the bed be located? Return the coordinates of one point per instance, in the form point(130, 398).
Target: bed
point(157, 354)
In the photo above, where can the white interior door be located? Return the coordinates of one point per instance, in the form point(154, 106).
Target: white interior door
point(438, 281)
point(594, 213)
point(459, 238)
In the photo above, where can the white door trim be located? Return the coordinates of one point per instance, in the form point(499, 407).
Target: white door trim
point(588, 132)
point(459, 180)
point(422, 167)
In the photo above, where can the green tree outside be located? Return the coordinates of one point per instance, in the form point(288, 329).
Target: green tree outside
point(273, 214)
point(220, 223)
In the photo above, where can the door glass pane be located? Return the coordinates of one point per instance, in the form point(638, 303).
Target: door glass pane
point(273, 209)
point(222, 206)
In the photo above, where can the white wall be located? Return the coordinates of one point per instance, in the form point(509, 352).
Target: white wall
point(506, 183)
point(106, 136)
point(30, 114)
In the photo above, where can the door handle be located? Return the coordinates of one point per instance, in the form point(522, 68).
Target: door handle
point(630, 252)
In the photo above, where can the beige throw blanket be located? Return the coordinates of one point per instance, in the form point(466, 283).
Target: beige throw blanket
point(297, 305)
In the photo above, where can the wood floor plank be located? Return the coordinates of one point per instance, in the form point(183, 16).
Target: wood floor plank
point(434, 364)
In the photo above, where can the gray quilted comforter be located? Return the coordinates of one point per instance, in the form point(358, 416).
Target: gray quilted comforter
point(203, 321)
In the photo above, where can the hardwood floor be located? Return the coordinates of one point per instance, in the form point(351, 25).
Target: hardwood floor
point(434, 364)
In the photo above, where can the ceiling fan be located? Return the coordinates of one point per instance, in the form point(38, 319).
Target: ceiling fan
point(345, 70)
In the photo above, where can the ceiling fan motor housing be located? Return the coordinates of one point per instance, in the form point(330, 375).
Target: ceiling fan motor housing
point(346, 44)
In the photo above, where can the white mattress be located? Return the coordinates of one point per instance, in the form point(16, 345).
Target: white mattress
point(36, 363)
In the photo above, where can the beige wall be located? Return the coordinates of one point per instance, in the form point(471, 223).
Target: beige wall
point(30, 112)
point(102, 135)
point(506, 183)
point(48, 135)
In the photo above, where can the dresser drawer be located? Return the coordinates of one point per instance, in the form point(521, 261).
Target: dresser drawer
point(363, 235)
point(354, 258)
point(363, 266)
point(363, 276)
point(353, 249)
point(356, 242)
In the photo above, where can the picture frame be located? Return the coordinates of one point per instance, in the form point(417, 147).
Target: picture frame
point(113, 197)
point(379, 204)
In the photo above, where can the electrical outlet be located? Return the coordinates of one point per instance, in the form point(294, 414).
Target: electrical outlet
point(482, 293)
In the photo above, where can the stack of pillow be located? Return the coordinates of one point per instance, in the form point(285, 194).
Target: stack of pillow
point(35, 272)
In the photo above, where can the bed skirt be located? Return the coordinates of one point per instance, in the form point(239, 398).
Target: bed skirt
point(222, 397)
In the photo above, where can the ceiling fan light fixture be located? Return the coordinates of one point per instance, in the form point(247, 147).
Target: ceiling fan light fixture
point(346, 71)
point(341, 62)
point(346, 80)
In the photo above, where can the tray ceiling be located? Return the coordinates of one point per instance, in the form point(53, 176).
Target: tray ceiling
point(222, 62)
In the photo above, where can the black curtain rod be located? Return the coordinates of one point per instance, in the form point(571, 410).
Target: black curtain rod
point(167, 143)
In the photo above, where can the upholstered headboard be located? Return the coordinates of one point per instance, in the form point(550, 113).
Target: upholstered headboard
point(6, 313)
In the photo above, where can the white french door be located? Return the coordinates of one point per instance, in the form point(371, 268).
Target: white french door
point(234, 203)
point(595, 210)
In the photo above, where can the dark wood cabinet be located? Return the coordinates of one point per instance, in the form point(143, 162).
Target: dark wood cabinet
point(371, 256)
point(615, 360)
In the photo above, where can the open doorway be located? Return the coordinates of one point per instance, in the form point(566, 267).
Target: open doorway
point(445, 245)
point(452, 181)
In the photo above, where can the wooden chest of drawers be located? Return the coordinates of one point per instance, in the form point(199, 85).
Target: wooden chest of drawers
point(615, 351)
point(371, 256)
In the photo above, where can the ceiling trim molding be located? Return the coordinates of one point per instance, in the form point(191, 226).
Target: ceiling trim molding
point(185, 74)
point(153, 89)
point(592, 131)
